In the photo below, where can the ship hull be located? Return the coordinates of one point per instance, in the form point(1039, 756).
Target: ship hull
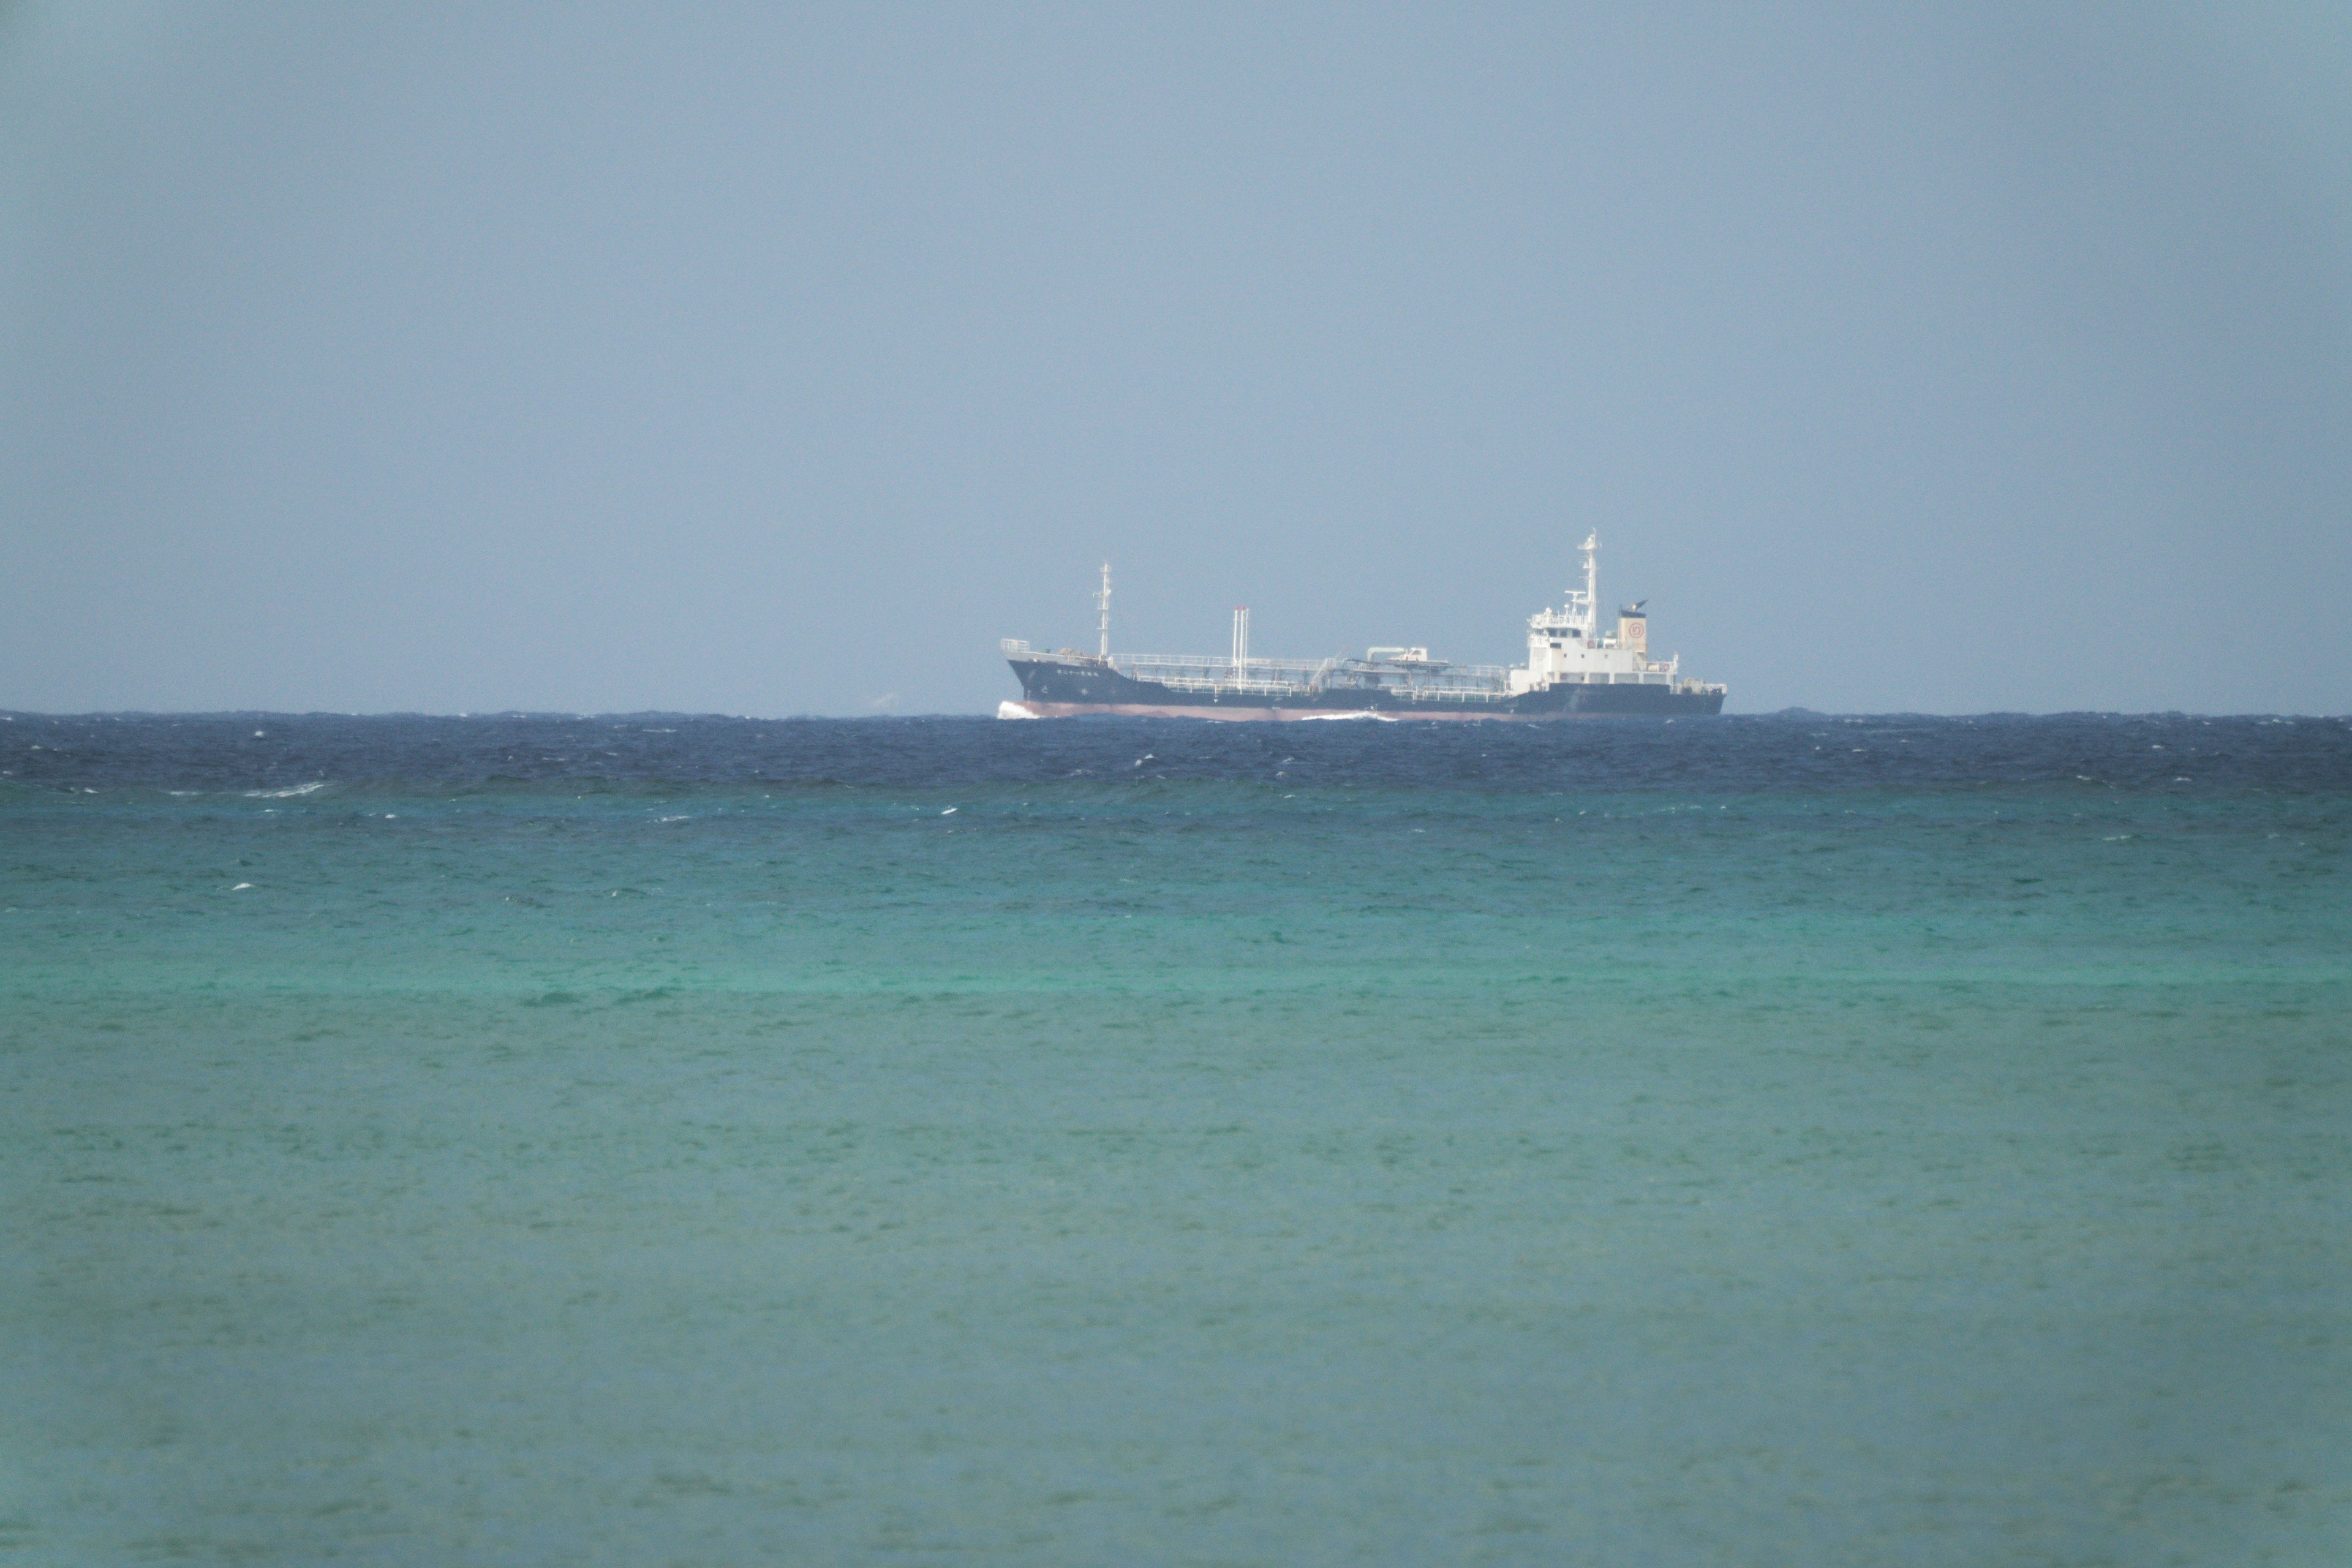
point(1054, 688)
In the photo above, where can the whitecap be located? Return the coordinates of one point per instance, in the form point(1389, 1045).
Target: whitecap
point(311, 788)
point(1359, 713)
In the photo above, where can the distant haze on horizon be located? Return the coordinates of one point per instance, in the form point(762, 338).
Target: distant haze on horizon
point(772, 361)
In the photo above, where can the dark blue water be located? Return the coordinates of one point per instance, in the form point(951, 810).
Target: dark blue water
point(658, 1139)
point(1736, 755)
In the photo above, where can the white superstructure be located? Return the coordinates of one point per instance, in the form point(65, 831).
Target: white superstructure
point(1567, 646)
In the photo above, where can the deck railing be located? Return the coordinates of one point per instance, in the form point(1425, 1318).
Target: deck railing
point(1298, 676)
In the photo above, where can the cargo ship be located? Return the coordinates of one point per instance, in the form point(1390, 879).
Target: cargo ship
point(1575, 670)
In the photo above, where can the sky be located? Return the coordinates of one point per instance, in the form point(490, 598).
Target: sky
point(772, 359)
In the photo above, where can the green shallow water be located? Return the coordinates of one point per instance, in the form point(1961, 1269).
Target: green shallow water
point(1187, 1173)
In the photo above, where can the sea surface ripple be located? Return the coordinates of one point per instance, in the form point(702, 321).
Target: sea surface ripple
point(1786, 1139)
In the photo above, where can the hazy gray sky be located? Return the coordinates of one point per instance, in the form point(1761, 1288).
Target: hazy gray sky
point(772, 359)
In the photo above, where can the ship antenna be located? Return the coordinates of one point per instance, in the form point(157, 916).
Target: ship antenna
point(1102, 601)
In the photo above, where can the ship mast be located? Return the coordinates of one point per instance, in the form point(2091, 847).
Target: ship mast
point(1583, 612)
point(1102, 602)
point(1592, 583)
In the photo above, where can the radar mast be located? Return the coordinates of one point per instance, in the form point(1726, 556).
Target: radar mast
point(1584, 608)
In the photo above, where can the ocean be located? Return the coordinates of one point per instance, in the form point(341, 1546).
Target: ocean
point(660, 1140)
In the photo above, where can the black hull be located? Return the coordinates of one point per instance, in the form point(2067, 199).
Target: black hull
point(1059, 689)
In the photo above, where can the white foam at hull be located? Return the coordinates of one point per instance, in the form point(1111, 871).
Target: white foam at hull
point(1266, 715)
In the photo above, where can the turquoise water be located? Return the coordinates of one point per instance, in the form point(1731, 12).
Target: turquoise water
point(1774, 1143)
